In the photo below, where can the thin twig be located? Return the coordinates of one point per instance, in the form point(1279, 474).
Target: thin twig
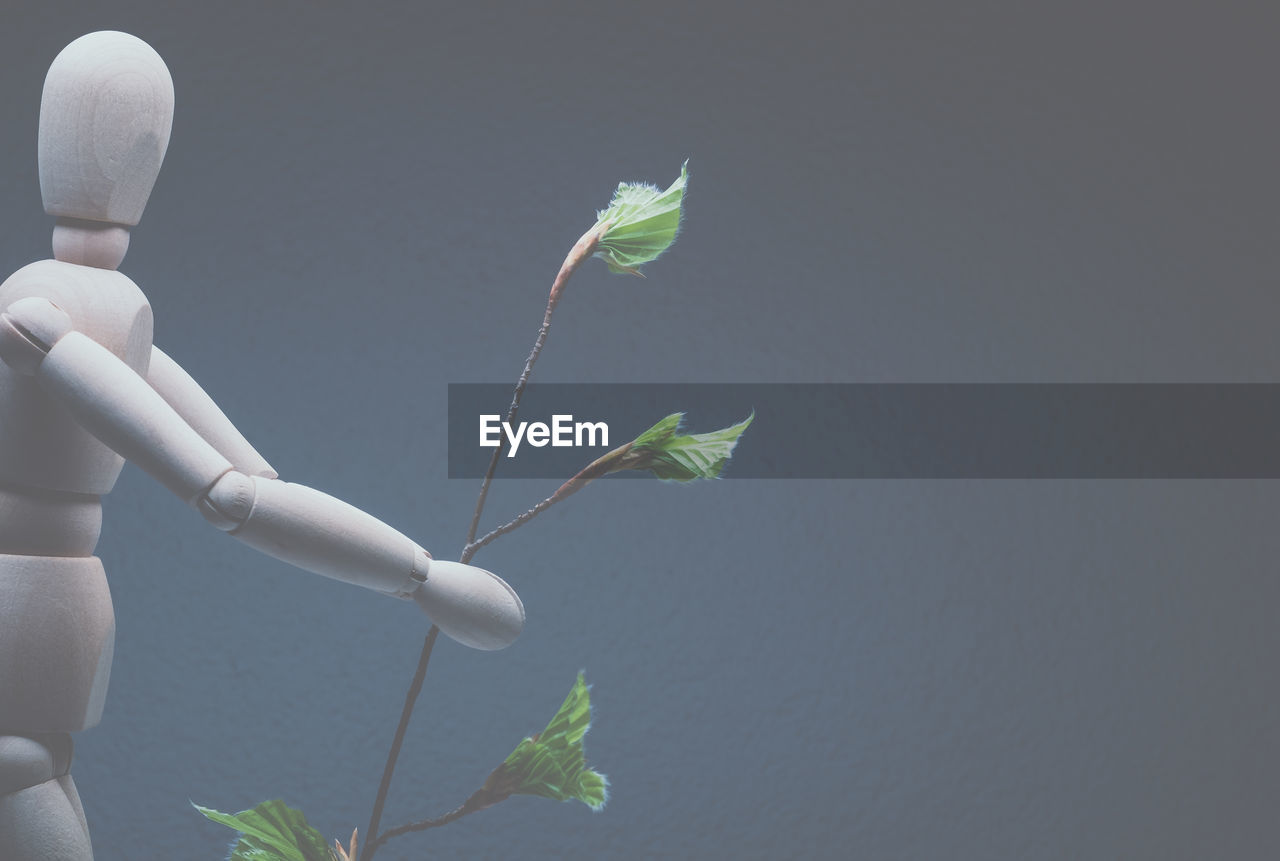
point(482, 798)
point(410, 698)
point(611, 462)
point(582, 249)
point(452, 816)
point(478, 801)
point(566, 490)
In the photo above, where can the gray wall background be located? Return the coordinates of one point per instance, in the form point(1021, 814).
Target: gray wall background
point(362, 204)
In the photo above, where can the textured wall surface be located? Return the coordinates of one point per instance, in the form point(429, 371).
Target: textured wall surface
point(361, 205)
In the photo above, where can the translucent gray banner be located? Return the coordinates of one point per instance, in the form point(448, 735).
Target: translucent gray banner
point(1180, 430)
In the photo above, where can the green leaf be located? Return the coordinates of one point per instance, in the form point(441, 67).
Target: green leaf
point(643, 223)
point(670, 455)
point(658, 433)
point(552, 764)
point(272, 831)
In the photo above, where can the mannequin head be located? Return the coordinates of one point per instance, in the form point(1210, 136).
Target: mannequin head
point(105, 119)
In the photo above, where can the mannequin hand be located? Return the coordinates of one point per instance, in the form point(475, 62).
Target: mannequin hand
point(471, 605)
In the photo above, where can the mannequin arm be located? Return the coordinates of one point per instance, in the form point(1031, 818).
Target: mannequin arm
point(296, 524)
point(199, 411)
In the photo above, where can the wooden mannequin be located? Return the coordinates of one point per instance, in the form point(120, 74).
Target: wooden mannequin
point(81, 389)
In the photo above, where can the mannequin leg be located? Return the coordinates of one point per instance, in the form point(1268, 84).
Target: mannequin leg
point(40, 814)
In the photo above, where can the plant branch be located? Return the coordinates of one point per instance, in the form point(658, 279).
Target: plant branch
point(484, 797)
point(411, 697)
point(582, 249)
point(478, 801)
point(602, 465)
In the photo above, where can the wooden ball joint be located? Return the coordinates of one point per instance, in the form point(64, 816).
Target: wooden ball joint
point(82, 389)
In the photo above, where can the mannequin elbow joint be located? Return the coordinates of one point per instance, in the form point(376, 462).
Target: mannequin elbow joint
point(228, 502)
